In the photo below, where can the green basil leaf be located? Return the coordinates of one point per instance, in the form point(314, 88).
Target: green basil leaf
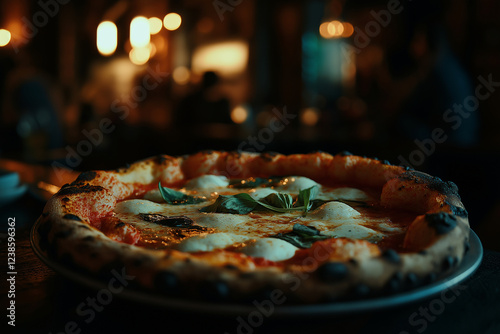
point(254, 182)
point(278, 200)
point(240, 204)
point(302, 236)
point(178, 198)
point(306, 196)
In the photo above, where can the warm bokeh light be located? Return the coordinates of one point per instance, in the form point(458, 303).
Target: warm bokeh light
point(323, 30)
point(335, 28)
point(139, 32)
point(172, 21)
point(155, 25)
point(107, 38)
point(4, 37)
point(181, 75)
point(226, 58)
point(309, 116)
point(140, 56)
point(348, 30)
point(239, 114)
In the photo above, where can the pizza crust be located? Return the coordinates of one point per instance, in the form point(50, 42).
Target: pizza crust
point(435, 243)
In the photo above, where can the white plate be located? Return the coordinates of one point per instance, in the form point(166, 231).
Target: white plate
point(470, 263)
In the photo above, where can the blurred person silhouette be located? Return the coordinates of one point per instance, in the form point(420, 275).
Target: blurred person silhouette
point(430, 80)
point(205, 105)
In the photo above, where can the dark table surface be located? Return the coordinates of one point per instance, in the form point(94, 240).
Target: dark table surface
point(46, 302)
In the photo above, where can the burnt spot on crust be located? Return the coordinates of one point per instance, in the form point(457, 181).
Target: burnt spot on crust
point(433, 183)
point(75, 190)
point(332, 272)
point(71, 216)
point(344, 153)
point(395, 283)
point(268, 156)
point(441, 222)
point(391, 256)
point(86, 176)
point(457, 211)
point(214, 290)
point(65, 200)
point(85, 227)
point(120, 224)
point(449, 262)
point(230, 267)
point(234, 154)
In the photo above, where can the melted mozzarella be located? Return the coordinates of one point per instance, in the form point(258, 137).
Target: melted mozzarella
point(136, 206)
point(207, 182)
point(223, 221)
point(154, 196)
point(270, 248)
point(209, 242)
point(355, 231)
point(296, 183)
point(332, 211)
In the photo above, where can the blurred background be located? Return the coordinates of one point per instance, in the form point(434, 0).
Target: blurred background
point(98, 84)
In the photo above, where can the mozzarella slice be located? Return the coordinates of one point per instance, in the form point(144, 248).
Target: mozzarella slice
point(270, 248)
point(136, 206)
point(296, 183)
point(261, 192)
point(222, 222)
point(206, 182)
point(209, 242)
point(354, 231)
point(334, 211)
point(154, 196)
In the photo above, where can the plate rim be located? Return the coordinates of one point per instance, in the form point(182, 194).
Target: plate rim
point(471, 261)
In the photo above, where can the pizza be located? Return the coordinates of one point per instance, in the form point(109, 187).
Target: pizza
point(241, 226)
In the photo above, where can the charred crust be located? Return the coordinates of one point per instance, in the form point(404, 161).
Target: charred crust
point(458, 211)
point(344, 153)
point(395, 283)
point(268, 156)
point(214, 290)
point(441, 222)
point(231, 267)
point(86, 176)
point(332, 272)
point(120, 224)
point(391, 256)
point(449, 262)
point(85, 227)
point(75, 190)
point(71, 216)
point(432, 182)
point(234, 154)
point(65, 200)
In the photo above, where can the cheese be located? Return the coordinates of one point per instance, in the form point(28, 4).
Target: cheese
point(355, 231)
point(209, 242)
point(250, 233)
point(136, 206)
point(334, 211)
point(270, 248)
point(207, 182)
point(296, 183)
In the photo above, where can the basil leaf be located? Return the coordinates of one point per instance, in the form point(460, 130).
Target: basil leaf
point(178, 198)
point(254, 182)
point(278, 200)
point(302, 236)
point(240, 203)
point(306, 196)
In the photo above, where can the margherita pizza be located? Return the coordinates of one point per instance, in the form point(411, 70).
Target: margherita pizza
point(237, 226)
